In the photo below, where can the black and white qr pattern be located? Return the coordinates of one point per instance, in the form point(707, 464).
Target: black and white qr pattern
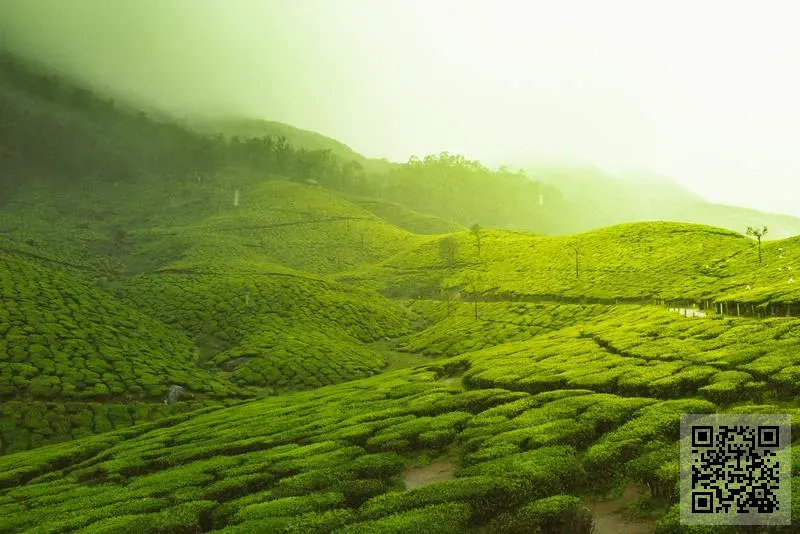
point(735, 469)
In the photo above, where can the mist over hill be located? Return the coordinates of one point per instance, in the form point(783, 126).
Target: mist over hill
point(214, 322)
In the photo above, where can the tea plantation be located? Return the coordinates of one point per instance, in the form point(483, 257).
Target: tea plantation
point(548, 382)
point(332, 459)
point(235, 335)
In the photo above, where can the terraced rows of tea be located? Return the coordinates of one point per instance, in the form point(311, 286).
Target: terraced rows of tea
point(110, 306)
point(642, 263)
point(653, 352)
point(300, 227)
point(567, 400)
point(267, 310)
point(75, 360)
point(197, 336)
point(531, 437)
point(402, 217)
point(455, 330)
point(278, 330)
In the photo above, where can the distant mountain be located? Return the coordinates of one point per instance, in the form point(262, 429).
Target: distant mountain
point(599, 199)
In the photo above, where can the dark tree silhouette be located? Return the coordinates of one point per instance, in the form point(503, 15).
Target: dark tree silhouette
point(448, 247)
point(473, 279)
point(757, 233)
point(577, 251)
point(476, 232)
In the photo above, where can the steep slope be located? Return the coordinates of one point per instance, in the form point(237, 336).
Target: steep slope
point(137, 255)
point(62, 338)
point(277, 329)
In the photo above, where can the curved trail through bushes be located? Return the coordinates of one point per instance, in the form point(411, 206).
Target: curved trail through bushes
point(608, 517)
point(416, 477)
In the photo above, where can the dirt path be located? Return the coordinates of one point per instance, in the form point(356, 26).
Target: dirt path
point(396, 359)
point(608, 517)
point(415, 477)
point(454, 381)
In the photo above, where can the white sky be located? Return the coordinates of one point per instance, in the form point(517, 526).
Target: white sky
point(706, 92)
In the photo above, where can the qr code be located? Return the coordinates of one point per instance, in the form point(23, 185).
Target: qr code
point(736, 469)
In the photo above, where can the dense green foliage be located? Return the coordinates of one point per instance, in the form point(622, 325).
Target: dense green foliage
point(63, 339)
point(331, 458)
point(138, 255)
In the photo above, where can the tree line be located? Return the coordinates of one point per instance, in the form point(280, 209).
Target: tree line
point(54, 126)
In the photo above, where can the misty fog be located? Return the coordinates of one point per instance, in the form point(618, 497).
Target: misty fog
point(702, 92)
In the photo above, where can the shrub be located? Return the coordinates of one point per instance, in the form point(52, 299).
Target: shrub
point(290, 506)
point(378, 465)
point(485, 495)
point(546, 471)
point(356, 492)
point(564, 514)
point(450, 518)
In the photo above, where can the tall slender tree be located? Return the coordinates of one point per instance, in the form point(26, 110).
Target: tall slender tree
point(757, 233)
point(477, 233)
point(448, 247)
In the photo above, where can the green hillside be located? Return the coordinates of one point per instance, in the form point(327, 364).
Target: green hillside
point(413, 221)
point(273, 330)
point(350, 363)
point(638, 262)
point(641, 262)
point(75, 360)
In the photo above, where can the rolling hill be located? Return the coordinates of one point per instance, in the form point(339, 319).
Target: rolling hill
point(350, 364)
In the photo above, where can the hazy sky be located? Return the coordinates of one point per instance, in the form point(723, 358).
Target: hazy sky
point(707, 92)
